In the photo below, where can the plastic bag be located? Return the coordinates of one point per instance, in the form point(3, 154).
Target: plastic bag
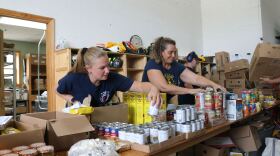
point(272, 147)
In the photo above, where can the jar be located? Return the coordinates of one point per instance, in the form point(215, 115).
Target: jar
point(28, 152)
point(19, 148)
point(46, 151)
point(37, 145)
point(5, 151)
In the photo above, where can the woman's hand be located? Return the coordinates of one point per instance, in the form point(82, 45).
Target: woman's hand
point(216, 87)
point(266, 80)
point(154, 96)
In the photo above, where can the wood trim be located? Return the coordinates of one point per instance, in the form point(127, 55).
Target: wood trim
point(50, 44)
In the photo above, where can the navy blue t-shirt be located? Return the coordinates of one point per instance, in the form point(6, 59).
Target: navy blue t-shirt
point(172, 75)
point(79, 86)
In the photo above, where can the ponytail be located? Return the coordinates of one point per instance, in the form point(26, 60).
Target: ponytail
point(79, 66)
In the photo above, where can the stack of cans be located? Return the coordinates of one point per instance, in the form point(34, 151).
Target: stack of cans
point(154, 132)
point(186, 119)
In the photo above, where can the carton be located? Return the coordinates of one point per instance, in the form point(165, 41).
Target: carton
point(205, 150)
point(234, 110)
point(265, 61)
point(246, 138)
point(236, 83)
point(154, 148)
point(61, 130)
point(236, 65)
point(222, 58)
point(239, 74)
point(114, 113)
point(27, 136)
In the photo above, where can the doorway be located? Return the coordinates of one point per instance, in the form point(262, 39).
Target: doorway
point(49, 49)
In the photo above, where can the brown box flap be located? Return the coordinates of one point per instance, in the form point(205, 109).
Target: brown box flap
point(71, 125)
point(27, 136)
point(35, 122)
point(236, 65)
point(240, 132)
point(114, 113)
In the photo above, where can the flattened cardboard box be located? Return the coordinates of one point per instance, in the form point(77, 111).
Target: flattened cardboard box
point(222, 58)
point(239, 74)
point(236, 65)
point(246, 138)
point(265, 61)
point(114, 113)
point(61, 130)
point(154, 148)
point(27, 136)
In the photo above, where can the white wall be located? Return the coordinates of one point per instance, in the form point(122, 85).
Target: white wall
point(231, 25)
point(87, 22)
point(270, 20)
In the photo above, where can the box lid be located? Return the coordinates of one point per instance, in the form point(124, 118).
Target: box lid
point(236, 65)
point(240, 132)
point(71, 125)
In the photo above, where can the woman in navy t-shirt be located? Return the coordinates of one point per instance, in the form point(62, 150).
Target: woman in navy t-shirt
point(163, 71)
point(91, 76)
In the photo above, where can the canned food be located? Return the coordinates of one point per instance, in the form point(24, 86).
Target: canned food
point(37, 145)
point(210, 114)
point(218, 100)
point(140, 137)
point(154, 135)
point(218, 113)
point(107, 131)
point(197, 124)
point(180, 115)
point(28, 152)
point(193, 113)
point(201, 115)
point(19, 148)
point(122, 134)
point(153, 110)
point(114, 132)
point(186, 128)
point(46, 151)
point(208, 100)
point(199, 101)
point(193, 126)
point(5, 151)
point(173, 129)
point(201, 124)
point(163, 134)
point(188, 114)
point(147, 133)
point(178, 127)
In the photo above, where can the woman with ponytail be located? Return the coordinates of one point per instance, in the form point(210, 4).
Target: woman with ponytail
point(91, 76)
point(163, 71)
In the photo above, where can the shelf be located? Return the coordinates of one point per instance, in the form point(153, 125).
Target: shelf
point(116, 69)
point(134, 69)
point(135, 55)
point(115, 53)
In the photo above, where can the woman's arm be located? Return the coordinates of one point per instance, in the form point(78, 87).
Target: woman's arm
point(66, 97)
point(189, 77)
point(270, 81)
point(146, 87)
point(156, 78)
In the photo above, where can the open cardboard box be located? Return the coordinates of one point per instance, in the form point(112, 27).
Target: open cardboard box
point(154, 148)
point(61, 130)
point(27, 136)
point(205, 150)
point(236, 65)
point(114, 113)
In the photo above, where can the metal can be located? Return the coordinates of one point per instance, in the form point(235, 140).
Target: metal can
point(140, 137)
point(210, 114)
point(46, 151)
point(122, 134)
point(114, 132)
point(201, 115)
point(218, 100)
point(208, 100)
point(173, 129)
point(197, 124)
point(178, 127)
point(186, 128)
point(154, 135)
point(199, 101)
point(218, 113)
point(188, 114)
point(193, 113)
point(201, 124)
point(180, 115)
point(147, 133)
point(153, 110)
point(163, 134)
point(193, 125)
point(107, 131)
point(28, 152)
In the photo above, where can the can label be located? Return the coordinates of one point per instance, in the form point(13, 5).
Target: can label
point(188, 114)
point(218, 100)
point(186, 128)
point(163, 135)
point(180, 115)
point(154, 135)
point(199, 101)
point(209, 101)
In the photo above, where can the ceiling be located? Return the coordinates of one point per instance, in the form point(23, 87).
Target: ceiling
point(18, 33)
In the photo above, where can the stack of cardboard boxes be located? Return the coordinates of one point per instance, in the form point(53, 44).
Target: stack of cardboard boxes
point(236, 73)
point(222, 58)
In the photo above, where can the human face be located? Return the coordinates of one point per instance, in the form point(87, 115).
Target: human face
point(100, 69)
point(169, 54)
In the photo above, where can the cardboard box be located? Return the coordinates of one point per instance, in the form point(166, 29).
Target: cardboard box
point(222, 58)
point(246, 138)
point(114, 113)
point(61, 130)
point(27, 136)
point(154, 148)
point(234, 110)
point(236, 83)
point(220, 142)
point(265, 61)
point(236, 65)
point(239, 74)
point(204, 150)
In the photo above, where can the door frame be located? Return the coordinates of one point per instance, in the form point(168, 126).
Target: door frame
point(50, 44)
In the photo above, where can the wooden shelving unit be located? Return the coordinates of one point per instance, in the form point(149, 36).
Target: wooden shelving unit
point(2, 106)
point(32, 77)
point(133, 67)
